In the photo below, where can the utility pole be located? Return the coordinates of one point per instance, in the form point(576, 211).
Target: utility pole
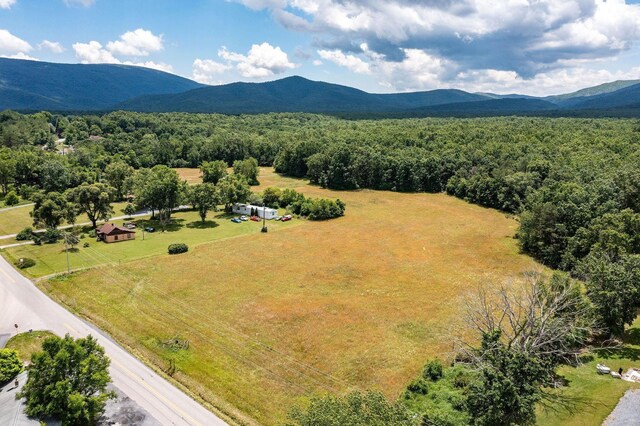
point(264, 218)
point(66, 249)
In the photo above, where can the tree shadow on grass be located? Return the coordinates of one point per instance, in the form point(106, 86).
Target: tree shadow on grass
point(621, 352)
point(207, 224)
point(632, 336)
point(173, 226)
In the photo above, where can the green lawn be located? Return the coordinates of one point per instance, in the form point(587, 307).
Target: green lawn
point(15, 220)
point(186, 228)
point(28, 343)
point(596, 394)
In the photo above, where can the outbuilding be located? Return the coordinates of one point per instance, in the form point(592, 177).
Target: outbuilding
point(110, 233)
point(251, 210)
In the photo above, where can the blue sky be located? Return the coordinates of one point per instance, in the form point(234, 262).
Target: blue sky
point(527, 46)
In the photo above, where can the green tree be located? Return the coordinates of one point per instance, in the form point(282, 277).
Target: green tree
point(213, 171)
point(117, 175)
point(10, 364)
point(613, 285)
point(247, 168)
point(509, 386)
point(129, 210)
point(68, 381)
point(51, 209)
point(7, 171)
point(159, 189)
point(233, 189)
point(92, 199)
point(203, 197)
point(354, 409)
point(54, 175)
point(271, 197)
point(11, 199)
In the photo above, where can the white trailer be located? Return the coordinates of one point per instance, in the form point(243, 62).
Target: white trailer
point(259, 211)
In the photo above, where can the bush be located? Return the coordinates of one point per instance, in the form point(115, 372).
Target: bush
point(51, 235)
point(25, 234)
point(85, 245)
point(11, 199)
point(10, 365)
point(25, 262)
point(419, 386)
point(433, 370)
point(178, 248)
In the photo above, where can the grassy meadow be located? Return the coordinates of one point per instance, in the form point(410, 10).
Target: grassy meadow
point(357, 302)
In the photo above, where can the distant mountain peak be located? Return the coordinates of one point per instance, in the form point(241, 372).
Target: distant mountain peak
point(34, 85)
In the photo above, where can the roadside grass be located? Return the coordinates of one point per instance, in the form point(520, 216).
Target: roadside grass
point(28, 343)
point(596, 395)
point(15, 220)
point(186, 227)
point(356, 302)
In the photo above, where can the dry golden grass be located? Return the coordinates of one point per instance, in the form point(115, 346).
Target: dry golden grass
point(358, 302)
point(190, 175)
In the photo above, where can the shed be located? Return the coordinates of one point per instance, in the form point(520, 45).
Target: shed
point(110, 233)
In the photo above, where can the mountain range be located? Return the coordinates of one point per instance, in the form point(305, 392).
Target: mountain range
point(33, 86)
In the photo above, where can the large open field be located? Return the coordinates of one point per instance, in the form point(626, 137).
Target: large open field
point(357, 302)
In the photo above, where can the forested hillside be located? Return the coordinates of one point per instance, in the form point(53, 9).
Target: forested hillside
point(35, 85)
point(575, 183)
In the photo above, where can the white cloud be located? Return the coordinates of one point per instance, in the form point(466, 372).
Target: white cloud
point(351, 62)
point(6, 4)
point(551, 82)
point(53, 46)
point(20, 55)
point(85, 3)
point(139, 42)
point(317, 62)
point(94, 53)
point(205, 71)
point(10, 44)
point(488, 39)
point(262, 60)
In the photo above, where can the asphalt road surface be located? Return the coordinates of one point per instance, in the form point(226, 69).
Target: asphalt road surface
point(22, 303)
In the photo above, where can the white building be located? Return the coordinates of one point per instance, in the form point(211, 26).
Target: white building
point(251, 210)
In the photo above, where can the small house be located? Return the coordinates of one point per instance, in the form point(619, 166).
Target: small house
point(251, 210)
point(110, 233)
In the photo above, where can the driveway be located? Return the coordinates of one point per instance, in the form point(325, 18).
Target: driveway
point(24, 304)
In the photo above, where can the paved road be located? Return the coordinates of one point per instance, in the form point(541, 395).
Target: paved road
point(627, 412)
point(15, 207)
point(24, 304)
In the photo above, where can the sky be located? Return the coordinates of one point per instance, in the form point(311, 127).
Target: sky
point(535, 47)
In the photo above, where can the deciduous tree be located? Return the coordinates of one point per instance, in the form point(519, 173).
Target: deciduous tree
point(92, 199)
point(68, 381)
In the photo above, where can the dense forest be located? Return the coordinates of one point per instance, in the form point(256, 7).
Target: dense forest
point(574, 184)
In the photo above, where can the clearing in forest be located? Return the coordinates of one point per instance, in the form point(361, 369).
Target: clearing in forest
point(356, 302)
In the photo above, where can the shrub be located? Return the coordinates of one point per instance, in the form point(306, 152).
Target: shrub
point(433, 370)
point(178, 248)
point(51, 235)
point(85, 245)
point(25, 262)
point(25, 234)
point(419, 386)
point(92, 233)
point(10, 365)
point(11, 199)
